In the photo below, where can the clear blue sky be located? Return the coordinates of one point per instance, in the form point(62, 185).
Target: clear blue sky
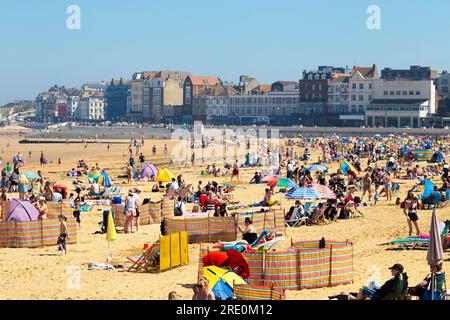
point(270, 40)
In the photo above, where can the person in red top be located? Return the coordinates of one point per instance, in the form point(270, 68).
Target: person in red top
point(204, 200)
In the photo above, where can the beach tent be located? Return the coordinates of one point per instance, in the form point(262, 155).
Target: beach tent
point(304, 193)
point(149, 170)
point(344, 165)
point(438, 157)
point(422, 155)
point(165, 175)
point(21, 210)
point(221, 281)
point(428, 188)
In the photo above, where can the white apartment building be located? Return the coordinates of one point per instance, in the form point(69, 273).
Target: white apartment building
point(401, 103)
point(338, 90)
point(91, 107)
point(360, 90)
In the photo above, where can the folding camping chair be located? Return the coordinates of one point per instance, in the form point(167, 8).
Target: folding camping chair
point(296, 221)
point(147, 261)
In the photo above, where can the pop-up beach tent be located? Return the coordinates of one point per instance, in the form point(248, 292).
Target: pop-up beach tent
point(21, 210)
point(148, 171)
point(165, 175)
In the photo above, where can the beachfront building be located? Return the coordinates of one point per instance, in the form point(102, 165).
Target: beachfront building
point(54, 105)
point(314, 90)
point(413, 73)
point(91, 106)
point(443, 84)
point(116, 97)
point(95, 86)
point(361, 88)
point(157, 96)
point(135, 108)
point(197, 86)
point(401, 103)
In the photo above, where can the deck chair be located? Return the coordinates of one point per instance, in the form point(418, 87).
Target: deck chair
point(411, 243)
point(170, 194)
point(183, 193)
point(146, 261)
point(271, 245)
point(295, 220)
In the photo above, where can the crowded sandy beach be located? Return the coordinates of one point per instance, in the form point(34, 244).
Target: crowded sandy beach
point(364, 191)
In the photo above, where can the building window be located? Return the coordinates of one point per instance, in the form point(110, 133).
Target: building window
point(370, 86)
point(361, 98)
point(405, 93)
point(391, 93)
point(385, 93)
point(398, 92)
point(417, 93)
point(361, 86)
point(353, 98)
point(354, 86)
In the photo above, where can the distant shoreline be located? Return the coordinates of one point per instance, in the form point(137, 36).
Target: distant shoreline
point(106, 133)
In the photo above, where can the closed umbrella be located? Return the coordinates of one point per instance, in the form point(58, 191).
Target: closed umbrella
point(435, 252)
point(111, 234)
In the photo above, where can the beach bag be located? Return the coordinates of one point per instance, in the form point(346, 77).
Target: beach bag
point(117, 200)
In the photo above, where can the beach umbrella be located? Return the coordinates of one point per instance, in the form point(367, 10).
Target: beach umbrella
point(269, 178)
point(318, 167)
point(282, 182)
point(303, 193)
point(435, 252)
point(32, 176)
point(111, 234)
point(326, 192)
point(222, 281)
point(238, 263)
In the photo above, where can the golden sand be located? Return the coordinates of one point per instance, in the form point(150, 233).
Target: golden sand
point(42, 273)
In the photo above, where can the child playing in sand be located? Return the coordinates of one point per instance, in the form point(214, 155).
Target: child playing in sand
point(63, 234)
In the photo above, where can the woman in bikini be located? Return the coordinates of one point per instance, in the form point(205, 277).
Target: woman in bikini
point(412, 215)
point(367, 186)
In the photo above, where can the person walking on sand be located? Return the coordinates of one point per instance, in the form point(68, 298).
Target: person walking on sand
point(42, 158)
point(129, 174)
point(63, 234)
point(412, 216)
point(235, 171)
